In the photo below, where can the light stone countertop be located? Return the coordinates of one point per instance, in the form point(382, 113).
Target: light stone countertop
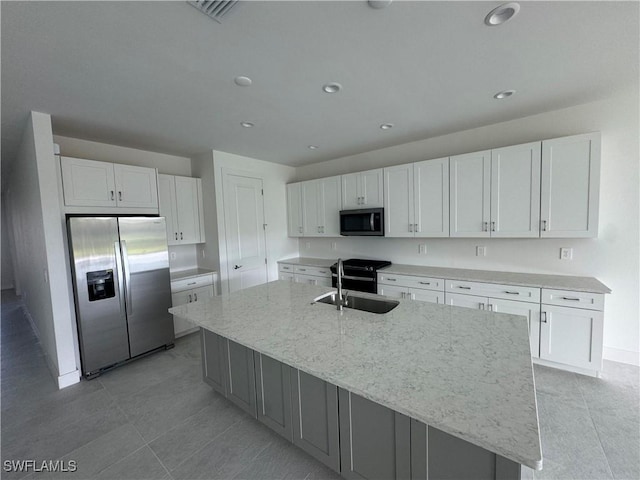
point(310, 262)
point(557, 282)
point(464, 371)
point(192, 272)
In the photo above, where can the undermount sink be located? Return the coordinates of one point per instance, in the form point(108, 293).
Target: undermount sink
point(371, 305)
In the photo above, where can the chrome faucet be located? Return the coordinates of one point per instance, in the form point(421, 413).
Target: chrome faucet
point(340, 271)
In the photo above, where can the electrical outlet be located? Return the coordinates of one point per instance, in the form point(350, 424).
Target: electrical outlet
point(422, 248)
point(172, 255)
point(307, 245)
point(566, 254)
point(481, 251)
point(334, 245)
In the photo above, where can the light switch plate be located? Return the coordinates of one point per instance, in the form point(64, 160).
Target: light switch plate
point(422, 249)
point(334, 245)
point(307, 245)
point(566, 254)
point(172, 255)
point(481, 251)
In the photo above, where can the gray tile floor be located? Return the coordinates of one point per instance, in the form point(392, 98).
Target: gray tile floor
point(155, 419)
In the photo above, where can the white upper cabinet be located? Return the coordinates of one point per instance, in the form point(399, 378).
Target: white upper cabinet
point(431, 198)
point(470, 191)
point(136, 186)
point(570, 186)
point(181, 204)
point(294, 210)
point(515, 191)
point(398, 201)
point(362, 190)
point(89, 183)
point(321, 207)
point(417, 199)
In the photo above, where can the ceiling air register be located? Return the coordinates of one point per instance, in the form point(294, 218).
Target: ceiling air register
point(214, 9)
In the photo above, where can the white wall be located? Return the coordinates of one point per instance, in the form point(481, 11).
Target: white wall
point(5, 252)
point(209, 252)
point(613, 257)
point(274, 177)
point(35, 215)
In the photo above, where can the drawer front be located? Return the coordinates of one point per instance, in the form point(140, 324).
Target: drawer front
point(192, 282)
point(285, 267)
point(494, 290)
point(411, 281)
point(317, 271)
point(285, 276)
point(566, 298)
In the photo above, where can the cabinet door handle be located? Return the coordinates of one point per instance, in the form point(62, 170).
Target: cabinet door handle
point(112, 197)
point(411, 227)
point(190, 299)
point(322, 229)
point(424, 283)
point(511, 293)
point(490, 307)
point(485, 226)
point(464, 288)
point(481, 306)
point(300, 229)
point(195, 297)
point(176, 235)
point(417, 228)
point(543, 317)
point(573, 299)
point(119, 195)
point(493, 226)
point(181, 237)
point(544, 225)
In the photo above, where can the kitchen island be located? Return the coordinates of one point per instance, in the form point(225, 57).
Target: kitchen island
point(445, 381)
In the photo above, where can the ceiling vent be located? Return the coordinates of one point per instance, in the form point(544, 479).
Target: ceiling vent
point(215, 9)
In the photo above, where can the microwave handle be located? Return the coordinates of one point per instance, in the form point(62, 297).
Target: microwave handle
point(371, 222)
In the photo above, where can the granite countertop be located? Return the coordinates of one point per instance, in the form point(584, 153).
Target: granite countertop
point(558, 282)
point(467, 372)
point(192, 272)
point(309, 261)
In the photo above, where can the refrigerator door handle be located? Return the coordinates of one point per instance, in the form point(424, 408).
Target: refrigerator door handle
point(127, 275)
point(116, 247)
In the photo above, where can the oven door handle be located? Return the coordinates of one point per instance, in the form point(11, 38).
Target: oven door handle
point(360, 279)
point(371, 222)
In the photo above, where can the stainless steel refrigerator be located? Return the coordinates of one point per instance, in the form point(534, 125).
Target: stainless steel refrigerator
point(122, 288)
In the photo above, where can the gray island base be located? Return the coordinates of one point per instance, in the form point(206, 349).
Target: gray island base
point(425, 391)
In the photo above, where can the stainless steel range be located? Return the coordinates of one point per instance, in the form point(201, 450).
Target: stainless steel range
point(360, 275)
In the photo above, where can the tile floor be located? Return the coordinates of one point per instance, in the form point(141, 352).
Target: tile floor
point(156, 419)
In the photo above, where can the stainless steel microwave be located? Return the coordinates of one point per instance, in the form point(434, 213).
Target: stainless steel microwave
point(362, 222)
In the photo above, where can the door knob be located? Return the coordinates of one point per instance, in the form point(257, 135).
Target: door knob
point(236, 267)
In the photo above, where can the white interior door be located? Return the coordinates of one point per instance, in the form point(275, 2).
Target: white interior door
point(245, 234)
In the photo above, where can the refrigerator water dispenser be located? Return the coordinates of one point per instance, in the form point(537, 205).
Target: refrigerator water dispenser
point(100, 285)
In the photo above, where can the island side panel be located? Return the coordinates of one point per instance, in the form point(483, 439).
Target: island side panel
point(213, 361)
point(315, 418)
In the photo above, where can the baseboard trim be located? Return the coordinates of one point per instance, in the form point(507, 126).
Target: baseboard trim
point(621, 356)
point(68, 379)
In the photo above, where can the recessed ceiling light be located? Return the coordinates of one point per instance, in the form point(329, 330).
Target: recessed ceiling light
point(242, 81)
point(332, 87)
point(504, 94)
point(246, 124)
point(312, 147)
point(379, 3)
point(386, 126)
point(502, 14)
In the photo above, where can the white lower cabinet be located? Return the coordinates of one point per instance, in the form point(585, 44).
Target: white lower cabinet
point(311, 275)
point(572, 336)
point(410, 287)
point(190, 290)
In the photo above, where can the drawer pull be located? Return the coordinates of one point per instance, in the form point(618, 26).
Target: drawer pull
point(391, 279)
point(512, 293)
point(192, 283)
point(464, 288)
point(424, 283)
point(573, 299)
point(302, 269)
